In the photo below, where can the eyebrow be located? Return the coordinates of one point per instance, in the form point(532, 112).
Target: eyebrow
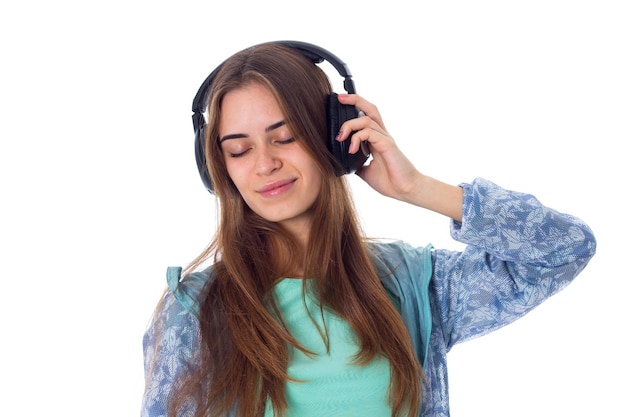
point(268, 129)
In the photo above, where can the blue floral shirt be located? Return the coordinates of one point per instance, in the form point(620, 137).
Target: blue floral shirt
point(518, 253)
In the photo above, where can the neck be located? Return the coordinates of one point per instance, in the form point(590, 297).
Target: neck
point(291, 259)
point(300, 232)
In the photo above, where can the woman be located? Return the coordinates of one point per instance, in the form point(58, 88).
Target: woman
point(298, 314)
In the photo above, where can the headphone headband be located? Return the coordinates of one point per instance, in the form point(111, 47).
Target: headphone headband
point(315, 53)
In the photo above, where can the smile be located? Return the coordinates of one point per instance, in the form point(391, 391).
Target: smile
point(276, 188)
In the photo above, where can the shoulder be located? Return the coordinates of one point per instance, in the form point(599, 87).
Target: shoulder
point(406, 265)
point(392, 255)
point(187, 289)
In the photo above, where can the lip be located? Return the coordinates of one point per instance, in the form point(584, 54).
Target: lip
point(276, 188)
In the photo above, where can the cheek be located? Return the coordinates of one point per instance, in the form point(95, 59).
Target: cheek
point(315, 179)
point(234, 172)
point(240, 186)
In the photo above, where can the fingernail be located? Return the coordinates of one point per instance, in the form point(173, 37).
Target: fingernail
point(339, 135)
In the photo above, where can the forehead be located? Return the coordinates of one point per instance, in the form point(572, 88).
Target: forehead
point(252, 102)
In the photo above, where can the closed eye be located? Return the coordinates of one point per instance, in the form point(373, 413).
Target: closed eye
point(238, 154)
point(242, 153)
point(286, 141)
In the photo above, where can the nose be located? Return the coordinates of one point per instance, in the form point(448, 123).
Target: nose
point(267, 160)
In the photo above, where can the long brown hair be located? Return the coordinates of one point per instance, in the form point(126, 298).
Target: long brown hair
point(243, 357)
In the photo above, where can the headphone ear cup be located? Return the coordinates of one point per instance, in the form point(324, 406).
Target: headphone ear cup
point(201, 158)
point(336, 115)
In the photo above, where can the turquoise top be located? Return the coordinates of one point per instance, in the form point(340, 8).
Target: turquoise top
point(332, 386)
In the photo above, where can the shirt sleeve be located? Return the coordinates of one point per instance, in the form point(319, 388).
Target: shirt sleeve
point(168, 345)
point(519, 252)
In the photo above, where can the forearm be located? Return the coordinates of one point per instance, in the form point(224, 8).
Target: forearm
point(432, 194)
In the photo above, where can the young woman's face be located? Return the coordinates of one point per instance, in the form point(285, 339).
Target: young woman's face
point(276, 177)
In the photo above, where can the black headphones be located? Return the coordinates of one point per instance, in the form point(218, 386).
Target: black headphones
point(336, 115)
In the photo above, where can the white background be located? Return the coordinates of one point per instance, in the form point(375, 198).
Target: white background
point(100, 193)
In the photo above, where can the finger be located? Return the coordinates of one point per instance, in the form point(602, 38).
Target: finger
point(371, 140)
point(357, 142)
point(350, 126)
point(360, 103)
point(357, 131)
point(362, 132)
